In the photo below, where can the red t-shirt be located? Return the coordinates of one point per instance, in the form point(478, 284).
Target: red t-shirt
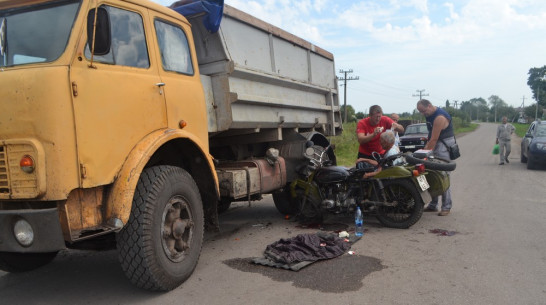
point(364, 127)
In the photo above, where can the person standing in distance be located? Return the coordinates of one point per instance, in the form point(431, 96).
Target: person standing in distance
point(369, 129)
point(504, 132)
point(395, 117)
point(440, 134)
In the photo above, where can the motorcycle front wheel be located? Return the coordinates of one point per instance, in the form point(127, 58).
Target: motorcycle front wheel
point(404, 204)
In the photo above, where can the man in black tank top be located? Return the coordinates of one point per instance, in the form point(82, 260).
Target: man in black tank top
point(440, 134)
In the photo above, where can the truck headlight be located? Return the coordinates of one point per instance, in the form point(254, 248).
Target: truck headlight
point(23, 232)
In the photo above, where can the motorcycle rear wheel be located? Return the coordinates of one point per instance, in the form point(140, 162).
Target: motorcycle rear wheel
point(407, 208)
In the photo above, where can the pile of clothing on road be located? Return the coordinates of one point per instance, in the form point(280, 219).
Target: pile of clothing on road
point(304, 249)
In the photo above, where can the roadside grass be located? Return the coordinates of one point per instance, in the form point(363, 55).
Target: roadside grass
point(469, 128)
point(521, 129)
point(346, 144)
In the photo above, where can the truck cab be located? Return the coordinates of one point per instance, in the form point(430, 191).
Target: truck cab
point(124, 120)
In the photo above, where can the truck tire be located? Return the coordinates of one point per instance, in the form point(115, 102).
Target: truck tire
point(409, 205)
point(160, 245)
point(22, 262)
point(433, 163)
point(284, 201)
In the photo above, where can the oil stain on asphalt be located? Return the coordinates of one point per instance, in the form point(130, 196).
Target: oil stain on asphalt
point(344, 273)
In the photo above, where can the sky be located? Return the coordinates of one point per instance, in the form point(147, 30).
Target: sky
point(400, 49)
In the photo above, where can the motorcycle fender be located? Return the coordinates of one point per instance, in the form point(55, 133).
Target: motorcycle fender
point(394, 172)
point(425, 195)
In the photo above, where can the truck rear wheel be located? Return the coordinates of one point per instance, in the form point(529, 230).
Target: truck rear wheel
point(22, 262)
point(160, 245)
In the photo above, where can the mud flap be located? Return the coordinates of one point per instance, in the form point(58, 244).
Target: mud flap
point(425, 195)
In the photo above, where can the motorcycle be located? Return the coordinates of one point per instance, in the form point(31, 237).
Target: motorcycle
point(395, 194)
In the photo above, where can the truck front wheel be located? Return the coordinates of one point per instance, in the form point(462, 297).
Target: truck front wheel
point(160, 245)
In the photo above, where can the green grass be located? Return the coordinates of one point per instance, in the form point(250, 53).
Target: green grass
point(521, 129)
point(470, 128)
point(346, 144)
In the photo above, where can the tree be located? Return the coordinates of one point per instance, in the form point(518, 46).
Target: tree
point(447, 104)
point(496, 103)
point(530, 111)
point(350, 113)
point(360, 115)
point(537, 83)
point(479, 108)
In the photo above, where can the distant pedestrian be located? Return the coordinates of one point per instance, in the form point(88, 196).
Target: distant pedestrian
point(504, 133)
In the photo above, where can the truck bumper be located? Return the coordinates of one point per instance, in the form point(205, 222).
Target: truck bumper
point(48, 236)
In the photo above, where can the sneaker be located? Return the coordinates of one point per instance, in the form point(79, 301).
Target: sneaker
point(502, 163)
point(430, 209)
point(443, 213)
point(506, 159)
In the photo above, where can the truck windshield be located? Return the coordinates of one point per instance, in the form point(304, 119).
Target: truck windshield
point(37, 33)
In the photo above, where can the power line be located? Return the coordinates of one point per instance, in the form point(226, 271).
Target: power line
point(345, 79)
point(420, 95)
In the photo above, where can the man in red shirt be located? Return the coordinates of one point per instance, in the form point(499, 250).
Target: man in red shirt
point(369, 129)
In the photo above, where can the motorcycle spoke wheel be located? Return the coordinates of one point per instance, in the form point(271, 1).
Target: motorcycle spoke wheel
point(309, 210)
point(404, 205)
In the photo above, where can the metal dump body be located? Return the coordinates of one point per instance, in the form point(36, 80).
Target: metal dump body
point(258, 77)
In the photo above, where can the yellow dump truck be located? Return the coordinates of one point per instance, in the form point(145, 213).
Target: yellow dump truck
point(126, 120)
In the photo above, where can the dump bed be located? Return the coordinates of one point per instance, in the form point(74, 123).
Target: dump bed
point(258, 77)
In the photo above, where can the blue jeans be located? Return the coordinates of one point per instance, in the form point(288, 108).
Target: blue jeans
point(441, 151)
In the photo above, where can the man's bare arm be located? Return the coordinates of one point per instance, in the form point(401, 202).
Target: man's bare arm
point(440, 123)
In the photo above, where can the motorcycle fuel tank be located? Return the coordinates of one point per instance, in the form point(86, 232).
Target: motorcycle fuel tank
point(331, 174)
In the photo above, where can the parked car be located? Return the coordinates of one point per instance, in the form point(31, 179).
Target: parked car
point(533, 145)
point(415, 137)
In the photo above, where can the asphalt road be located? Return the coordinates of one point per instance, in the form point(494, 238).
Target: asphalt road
point(494, 252)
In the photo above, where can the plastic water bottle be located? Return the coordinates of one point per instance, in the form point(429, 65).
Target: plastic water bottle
point(359, 223)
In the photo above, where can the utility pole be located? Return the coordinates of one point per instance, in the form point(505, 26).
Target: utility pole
point(345, 79)
point(420, 95)
point(522, 109)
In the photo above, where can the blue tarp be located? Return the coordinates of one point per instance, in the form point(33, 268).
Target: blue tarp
point(213, 10)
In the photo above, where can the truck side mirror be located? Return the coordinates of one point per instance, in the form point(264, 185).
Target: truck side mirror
point(102, 31)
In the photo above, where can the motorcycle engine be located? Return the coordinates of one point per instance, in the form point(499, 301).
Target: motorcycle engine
point(337, 199)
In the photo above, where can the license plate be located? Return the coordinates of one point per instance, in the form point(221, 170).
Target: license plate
point(423, 182)
point(410, 146)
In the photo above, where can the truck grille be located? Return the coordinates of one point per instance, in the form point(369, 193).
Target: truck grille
point(4, 181)
point(15, 183)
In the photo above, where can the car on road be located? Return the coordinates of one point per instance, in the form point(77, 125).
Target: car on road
point(415, 137)
point(533, 145)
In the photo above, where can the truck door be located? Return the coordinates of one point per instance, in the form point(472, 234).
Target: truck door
point(118, 100)
point(178, 71)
